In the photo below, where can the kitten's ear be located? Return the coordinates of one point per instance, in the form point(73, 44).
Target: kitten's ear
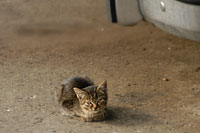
point(80, 93)
point(102, 86)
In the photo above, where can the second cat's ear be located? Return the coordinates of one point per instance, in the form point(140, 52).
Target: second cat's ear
point(102, 86)
point(80, 93)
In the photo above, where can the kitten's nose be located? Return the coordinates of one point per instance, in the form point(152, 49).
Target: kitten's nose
point(94, 107)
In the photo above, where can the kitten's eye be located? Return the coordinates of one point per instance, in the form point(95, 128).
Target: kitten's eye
point(89, 104)
point(101, 101)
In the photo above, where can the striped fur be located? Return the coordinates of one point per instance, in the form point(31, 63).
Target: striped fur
point(81, 96)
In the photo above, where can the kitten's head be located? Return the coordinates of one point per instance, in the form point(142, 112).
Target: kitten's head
point(92, 98)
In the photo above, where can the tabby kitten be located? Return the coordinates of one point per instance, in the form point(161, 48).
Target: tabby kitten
point(82, 97)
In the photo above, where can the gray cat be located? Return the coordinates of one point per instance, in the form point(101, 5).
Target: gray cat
point(82, 97)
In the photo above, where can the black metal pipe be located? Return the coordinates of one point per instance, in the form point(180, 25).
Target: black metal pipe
point(112, 10)
point(193, 2)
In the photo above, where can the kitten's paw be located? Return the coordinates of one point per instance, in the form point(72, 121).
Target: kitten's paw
point(86, 119)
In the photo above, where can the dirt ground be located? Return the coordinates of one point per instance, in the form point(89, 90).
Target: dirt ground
point(45, 42)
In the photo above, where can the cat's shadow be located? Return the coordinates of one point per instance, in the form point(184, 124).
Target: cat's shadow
point(127, 116)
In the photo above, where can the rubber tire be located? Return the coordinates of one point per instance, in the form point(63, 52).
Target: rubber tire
point(128, 12)
point(124, 12)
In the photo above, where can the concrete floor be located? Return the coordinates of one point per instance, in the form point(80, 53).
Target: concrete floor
point(44, 42)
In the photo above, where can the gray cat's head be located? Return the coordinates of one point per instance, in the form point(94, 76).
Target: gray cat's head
point(92, 98)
